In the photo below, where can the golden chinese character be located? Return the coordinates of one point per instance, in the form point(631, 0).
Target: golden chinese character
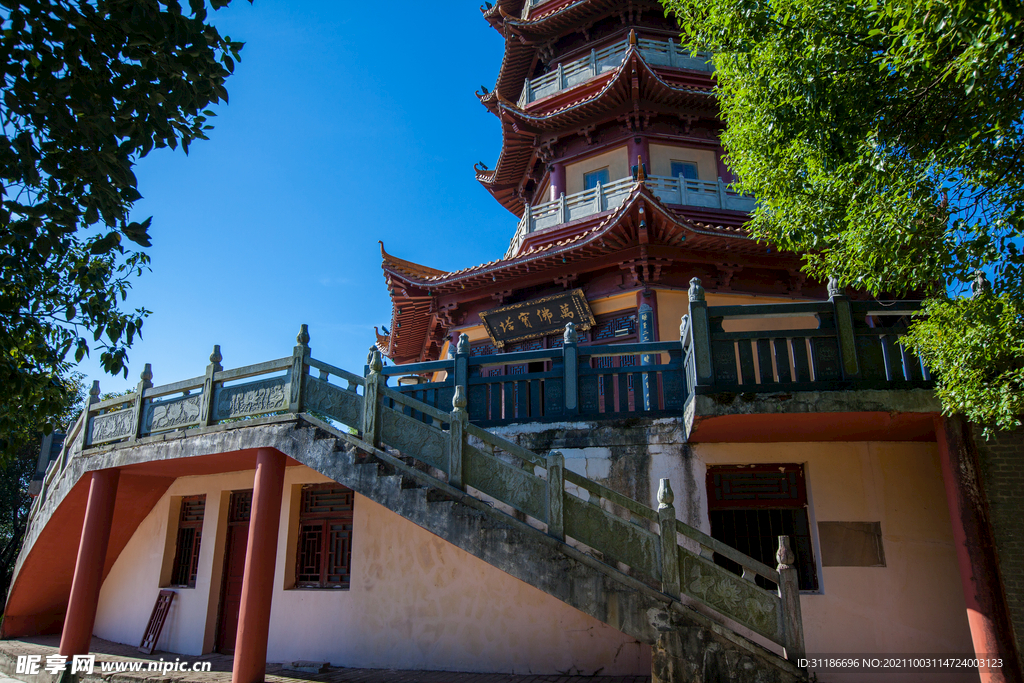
point(524, 318)
point(507, 325)
point(566, 313)
point(545, 315)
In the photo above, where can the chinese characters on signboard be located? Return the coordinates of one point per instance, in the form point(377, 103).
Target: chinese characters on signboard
point(537, 318)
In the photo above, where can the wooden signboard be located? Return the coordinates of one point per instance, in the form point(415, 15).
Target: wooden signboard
point(537, 318)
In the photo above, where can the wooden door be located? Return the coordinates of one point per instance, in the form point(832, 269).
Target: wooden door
point(234, 570)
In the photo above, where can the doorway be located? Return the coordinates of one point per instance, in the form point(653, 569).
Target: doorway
point(237, 539)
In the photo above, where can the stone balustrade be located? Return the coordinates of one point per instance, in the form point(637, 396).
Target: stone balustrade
point(666, 52)
point(678, 191)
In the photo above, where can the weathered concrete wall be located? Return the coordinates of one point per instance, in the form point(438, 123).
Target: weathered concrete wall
point(415, 601)
point(1001, 461)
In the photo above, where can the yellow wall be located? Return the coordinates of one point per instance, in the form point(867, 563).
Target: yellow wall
point(615, 160)
point(415, 602)
point(673, 304)
point(662, 157)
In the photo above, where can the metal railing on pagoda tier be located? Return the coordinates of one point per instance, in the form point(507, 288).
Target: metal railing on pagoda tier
point(830, 345)
point(605, 197)
point(655, 52)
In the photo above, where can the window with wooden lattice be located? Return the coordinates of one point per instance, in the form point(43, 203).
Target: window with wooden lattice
point(324, 553)
point(190, 535)
point(750, 506)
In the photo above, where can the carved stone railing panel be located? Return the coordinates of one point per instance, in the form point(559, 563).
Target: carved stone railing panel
point(341, 404)
point(119, 424)
point(175, 413)
point(613, 536)
point(513, 486)
point(731, 595)
point(412, 436)
point(251, 398)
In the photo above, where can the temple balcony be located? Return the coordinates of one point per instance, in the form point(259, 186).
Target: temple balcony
point(655, 52)
point(736, 373)
point(678, 191)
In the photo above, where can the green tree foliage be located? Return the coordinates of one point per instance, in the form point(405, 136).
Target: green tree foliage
point(884, 140)
point(89, 87)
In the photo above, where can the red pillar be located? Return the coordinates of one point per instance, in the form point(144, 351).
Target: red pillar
point(250, 663)
point(638, 147)
point(557, 177)
point(92, 554)
point(975, 550)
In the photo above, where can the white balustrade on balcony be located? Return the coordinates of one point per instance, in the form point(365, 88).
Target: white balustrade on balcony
point(656, 52)
point(678, 191)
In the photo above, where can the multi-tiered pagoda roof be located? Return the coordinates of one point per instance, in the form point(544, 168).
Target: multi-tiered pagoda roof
point(582, 80)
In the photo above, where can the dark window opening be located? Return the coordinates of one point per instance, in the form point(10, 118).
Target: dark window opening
point(687, 169)
point(750, 507)
point(590, 180)
point(324, 553)
point(190, 533)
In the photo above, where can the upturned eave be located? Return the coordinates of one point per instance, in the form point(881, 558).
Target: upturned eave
point(617, 92)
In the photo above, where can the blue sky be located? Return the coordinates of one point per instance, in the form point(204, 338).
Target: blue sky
point(347, 123)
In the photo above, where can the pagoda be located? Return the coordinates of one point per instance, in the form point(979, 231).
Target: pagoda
point(612, 163)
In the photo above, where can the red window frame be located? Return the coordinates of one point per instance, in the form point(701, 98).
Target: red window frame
point(323, 557)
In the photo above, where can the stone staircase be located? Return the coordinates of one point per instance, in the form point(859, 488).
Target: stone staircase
point(636, 569)
point(688, 645)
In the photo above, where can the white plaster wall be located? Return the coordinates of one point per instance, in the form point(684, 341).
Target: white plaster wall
point(131, 588)
point(415, 601)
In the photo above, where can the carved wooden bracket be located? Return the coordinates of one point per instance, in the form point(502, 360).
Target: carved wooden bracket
point(567, 281)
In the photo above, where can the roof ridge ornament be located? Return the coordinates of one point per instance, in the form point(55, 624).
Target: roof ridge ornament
point(632, 37)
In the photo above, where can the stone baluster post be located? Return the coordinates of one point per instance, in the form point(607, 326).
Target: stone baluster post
point(85, 437)
point(556, 489)
point(299, 370)
point(371, 397)
point(700, 335)
point(461, 375)
point(844, 329)
point(789, 591)
point(457, 437)
point(669, 544)
point(145, 382)
point(570, 369)
point(207, 409)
